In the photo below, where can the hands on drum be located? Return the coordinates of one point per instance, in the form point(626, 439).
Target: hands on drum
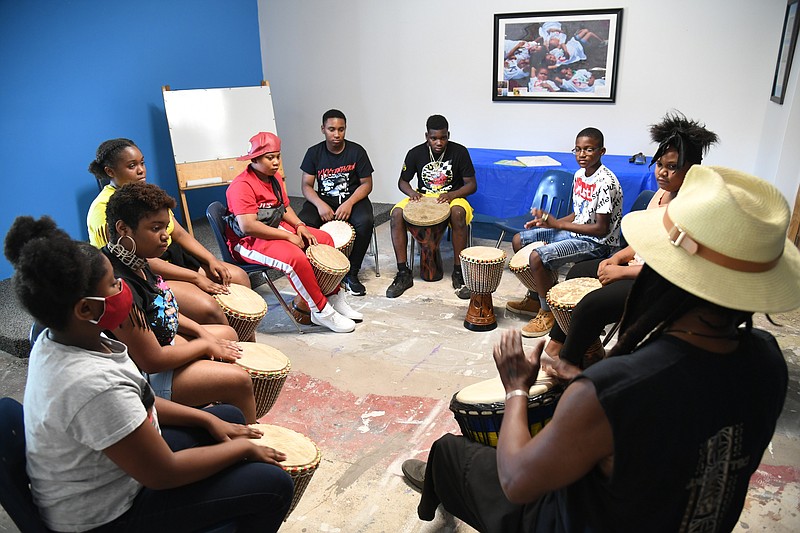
point(325, 212)
point(343, 211)
point(306, 237)
point(517, 371)
point(225, 351)
point(265, 454)
point(219, 272)
point(221, 430)
point(445, 198)
point(210, 286)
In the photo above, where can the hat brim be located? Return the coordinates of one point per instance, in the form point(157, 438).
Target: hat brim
point(774, 291)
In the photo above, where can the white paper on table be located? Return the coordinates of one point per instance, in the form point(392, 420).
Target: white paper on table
point(538, 161)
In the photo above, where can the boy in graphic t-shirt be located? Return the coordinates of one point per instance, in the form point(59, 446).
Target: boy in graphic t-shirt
point(591, 231)
point(343, 175)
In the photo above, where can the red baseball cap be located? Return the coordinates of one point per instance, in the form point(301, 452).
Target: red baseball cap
point(261, 143)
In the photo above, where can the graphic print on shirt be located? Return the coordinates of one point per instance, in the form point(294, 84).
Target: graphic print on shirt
point(585, 191)
point(164, 322)
point(711, 489)
point(335, 181)
point(437, 176)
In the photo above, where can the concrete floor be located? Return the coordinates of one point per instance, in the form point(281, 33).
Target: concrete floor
point(380, 395)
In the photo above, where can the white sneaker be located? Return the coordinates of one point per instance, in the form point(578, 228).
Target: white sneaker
point(332, 320)
point(339, 302)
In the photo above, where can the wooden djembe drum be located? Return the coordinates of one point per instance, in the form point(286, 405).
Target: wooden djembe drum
point(482, 267)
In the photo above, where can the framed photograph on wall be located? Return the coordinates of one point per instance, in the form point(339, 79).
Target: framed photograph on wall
point(791, 23)
point(556, 56)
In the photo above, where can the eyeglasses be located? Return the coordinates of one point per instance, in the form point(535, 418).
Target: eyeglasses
point(589, 151)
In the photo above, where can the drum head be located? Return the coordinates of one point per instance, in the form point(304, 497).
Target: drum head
point(243, 300)
point(492, 390)
point(261, 358)
point(570, 292)
point(340, 231)
point(520, 259)
point(483, 254)
point(328, 257)
point(426, 212)
point(300, 450)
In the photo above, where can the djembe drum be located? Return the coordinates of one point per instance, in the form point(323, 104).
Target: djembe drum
point(244, 309)
point(329, 264)
point(521, 267)
point(426, 221)
point(342, 233)
point(302, 456)
point(482, 267)
point(268, 368)
point(479, 408)
point(563, 298)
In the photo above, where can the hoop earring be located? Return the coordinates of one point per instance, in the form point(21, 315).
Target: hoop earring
point(127, 257)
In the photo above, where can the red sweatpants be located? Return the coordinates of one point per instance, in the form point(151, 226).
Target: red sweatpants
point(289, 259)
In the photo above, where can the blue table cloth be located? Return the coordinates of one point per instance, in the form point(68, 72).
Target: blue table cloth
point(507, 191)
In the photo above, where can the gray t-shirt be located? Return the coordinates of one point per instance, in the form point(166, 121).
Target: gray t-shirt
point(78, 403)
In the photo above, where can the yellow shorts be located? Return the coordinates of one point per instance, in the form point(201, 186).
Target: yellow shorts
point(460, 202)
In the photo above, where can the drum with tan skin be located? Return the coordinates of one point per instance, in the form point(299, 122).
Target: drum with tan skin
point(563, 298)
point(342, 233)
point(427, 221)
point(330, 266)
point(268, 368)
point(302, 456)
point(479, 408)
point(521, 267)
point(244, 309)
point(482, 267)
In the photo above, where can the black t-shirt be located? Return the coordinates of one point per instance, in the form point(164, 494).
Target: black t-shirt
point(337, 175)
point(689, 427)
point(442, 174)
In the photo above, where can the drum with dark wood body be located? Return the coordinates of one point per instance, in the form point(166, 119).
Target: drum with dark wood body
point(427, 221)
point(482, 267)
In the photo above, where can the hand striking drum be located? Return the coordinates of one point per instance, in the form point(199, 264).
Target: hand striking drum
point(244, 308)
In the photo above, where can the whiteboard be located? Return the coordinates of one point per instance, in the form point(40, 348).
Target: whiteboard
point(209, 124)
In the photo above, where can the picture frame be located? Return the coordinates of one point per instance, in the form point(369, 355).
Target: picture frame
point(556, 56)
point(791, 24)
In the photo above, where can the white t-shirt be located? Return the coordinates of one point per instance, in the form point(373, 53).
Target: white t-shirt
point(599, 193)
point(78, 403)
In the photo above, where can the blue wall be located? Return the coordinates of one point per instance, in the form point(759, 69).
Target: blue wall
point(75, 73)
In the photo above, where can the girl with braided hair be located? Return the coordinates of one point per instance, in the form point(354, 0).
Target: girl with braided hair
point(681, 143)
point(195, 274)
point(103, 453)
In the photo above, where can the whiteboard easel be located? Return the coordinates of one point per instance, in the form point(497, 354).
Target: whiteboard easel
point(209, 129)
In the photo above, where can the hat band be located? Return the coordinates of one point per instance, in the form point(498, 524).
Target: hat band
point(679, 238)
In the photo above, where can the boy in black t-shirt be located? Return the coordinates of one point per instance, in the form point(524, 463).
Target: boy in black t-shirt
point(343, 175)
point(443, 169)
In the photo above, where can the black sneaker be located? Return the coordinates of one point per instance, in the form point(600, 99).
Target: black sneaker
point(402, 282)
point(458, 284)
point(353, 286)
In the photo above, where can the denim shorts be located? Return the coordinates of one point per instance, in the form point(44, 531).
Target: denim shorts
point(563, 247)
point(161, 383)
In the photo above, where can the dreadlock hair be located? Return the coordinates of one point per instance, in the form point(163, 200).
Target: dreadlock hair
point(333, 113)
point(52, 271)
point(132, 202)
point(436, 123)
point(654, 304)
point(689, 138)
point(594, 134)
point(107, 155)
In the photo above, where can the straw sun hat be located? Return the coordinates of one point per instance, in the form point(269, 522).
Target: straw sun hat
point(723, 239)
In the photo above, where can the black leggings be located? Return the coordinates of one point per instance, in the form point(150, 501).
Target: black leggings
point(595, 310)
point(254, 495)
point(361, 218)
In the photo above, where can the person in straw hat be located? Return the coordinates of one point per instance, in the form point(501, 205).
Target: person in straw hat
point(652, 438)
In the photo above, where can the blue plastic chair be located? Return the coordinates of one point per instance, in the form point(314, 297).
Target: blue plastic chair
point(215, 213)
point(553, 195)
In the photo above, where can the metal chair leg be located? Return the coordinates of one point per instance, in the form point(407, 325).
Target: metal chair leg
point(282, 302)
point(374, 245)
point(411, 254)
point(611, 333)
point(500, 240)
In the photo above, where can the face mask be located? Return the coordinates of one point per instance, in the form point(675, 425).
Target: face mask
point(115, 308)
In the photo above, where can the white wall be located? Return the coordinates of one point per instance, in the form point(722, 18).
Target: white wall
point(389, 65)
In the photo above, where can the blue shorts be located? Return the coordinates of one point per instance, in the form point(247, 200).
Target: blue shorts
point(563, 247)
point(161, 383)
